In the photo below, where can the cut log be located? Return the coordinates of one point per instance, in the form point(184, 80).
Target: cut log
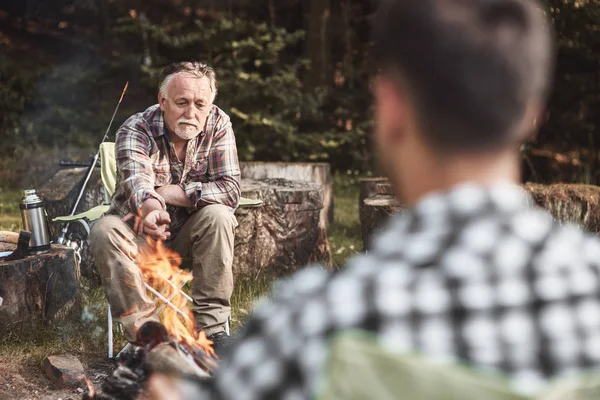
point(368, 187)
point(39, 291)
point(60, 194)
point(575, 203)
point(381, 204)
point(376, 211)
point(283, 234)
point(319, 173)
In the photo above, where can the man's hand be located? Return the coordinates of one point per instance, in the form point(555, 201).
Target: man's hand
point(155, 224)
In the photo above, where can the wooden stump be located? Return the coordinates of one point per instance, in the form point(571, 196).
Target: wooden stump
point(368, 187)
point(377, 210)
point(377, 201)
point(39, 290)
point(59, 195)
point(319, 173)
point(575, 203)
point(283, 234)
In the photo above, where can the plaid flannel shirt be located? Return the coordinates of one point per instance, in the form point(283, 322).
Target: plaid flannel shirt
point(477, 274)
point(146, 159)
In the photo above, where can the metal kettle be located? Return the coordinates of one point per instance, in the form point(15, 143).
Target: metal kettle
point(35, 220)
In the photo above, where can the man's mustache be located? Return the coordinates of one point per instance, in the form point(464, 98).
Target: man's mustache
point(187, 121)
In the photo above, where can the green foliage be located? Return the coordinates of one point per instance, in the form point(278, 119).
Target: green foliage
point(62, 91)
point(261, 87)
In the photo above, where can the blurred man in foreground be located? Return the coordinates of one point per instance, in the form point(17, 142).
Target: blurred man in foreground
point(472, 271)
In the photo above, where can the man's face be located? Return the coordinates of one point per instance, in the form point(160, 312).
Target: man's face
point(186, 104)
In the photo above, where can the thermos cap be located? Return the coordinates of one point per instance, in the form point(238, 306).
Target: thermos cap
point(30, 197)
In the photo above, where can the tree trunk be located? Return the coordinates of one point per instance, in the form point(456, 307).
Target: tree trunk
point(39, 290)
point(318, 40)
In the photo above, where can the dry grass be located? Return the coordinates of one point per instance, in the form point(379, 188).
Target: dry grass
point(10, 217)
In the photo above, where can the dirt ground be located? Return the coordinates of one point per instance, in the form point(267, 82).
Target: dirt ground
point(21, 381)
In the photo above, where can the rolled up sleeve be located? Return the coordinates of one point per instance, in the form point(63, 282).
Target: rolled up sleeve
point(132, 150)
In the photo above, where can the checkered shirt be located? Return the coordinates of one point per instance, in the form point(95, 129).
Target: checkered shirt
point(477, 274)
point(146, 159)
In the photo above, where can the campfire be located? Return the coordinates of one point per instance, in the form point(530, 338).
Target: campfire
point(173, 347)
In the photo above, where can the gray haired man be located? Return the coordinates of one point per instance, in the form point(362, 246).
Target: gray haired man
point(178, 181)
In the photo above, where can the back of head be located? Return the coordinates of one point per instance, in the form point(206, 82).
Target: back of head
point(473, 69)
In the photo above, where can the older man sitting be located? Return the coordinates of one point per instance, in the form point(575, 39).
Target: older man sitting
point(178, 181)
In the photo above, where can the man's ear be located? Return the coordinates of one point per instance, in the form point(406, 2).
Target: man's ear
point(391, 109)
point(532, 119)
point(161, 101)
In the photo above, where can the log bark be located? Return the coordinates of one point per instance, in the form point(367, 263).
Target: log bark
point(285, 233)
point(39, 291)
point(376, 211)
point(575, 203)
point(319, 173)
point(367, 188)
point(382, 203)
point(60, 194)
point(282, 235)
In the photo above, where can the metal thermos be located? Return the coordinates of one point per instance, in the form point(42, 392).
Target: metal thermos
point(35, 221)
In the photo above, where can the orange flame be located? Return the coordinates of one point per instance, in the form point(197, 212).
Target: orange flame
point(161, 271)
point(91, 391)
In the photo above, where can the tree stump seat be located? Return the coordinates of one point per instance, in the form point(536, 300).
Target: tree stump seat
point(319, 173)
point(377, 202)
point(282, 234)
point(39, 290)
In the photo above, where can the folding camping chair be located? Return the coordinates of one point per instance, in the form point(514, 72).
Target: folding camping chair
point(359, 366)
point(108, 167)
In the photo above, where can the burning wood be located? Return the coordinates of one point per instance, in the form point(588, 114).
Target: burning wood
point(162, 273)
point(173, 347)
point(159, 353)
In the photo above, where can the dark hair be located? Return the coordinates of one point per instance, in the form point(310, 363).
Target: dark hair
point(193, 67)
point(471, 67)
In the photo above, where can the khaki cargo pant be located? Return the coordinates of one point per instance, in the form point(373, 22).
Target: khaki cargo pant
point(207, 237)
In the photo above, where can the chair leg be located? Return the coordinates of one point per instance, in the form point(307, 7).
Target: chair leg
point(85, 225)
point(110, 333)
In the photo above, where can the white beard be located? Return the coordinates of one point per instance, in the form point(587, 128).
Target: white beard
point(185, 131)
